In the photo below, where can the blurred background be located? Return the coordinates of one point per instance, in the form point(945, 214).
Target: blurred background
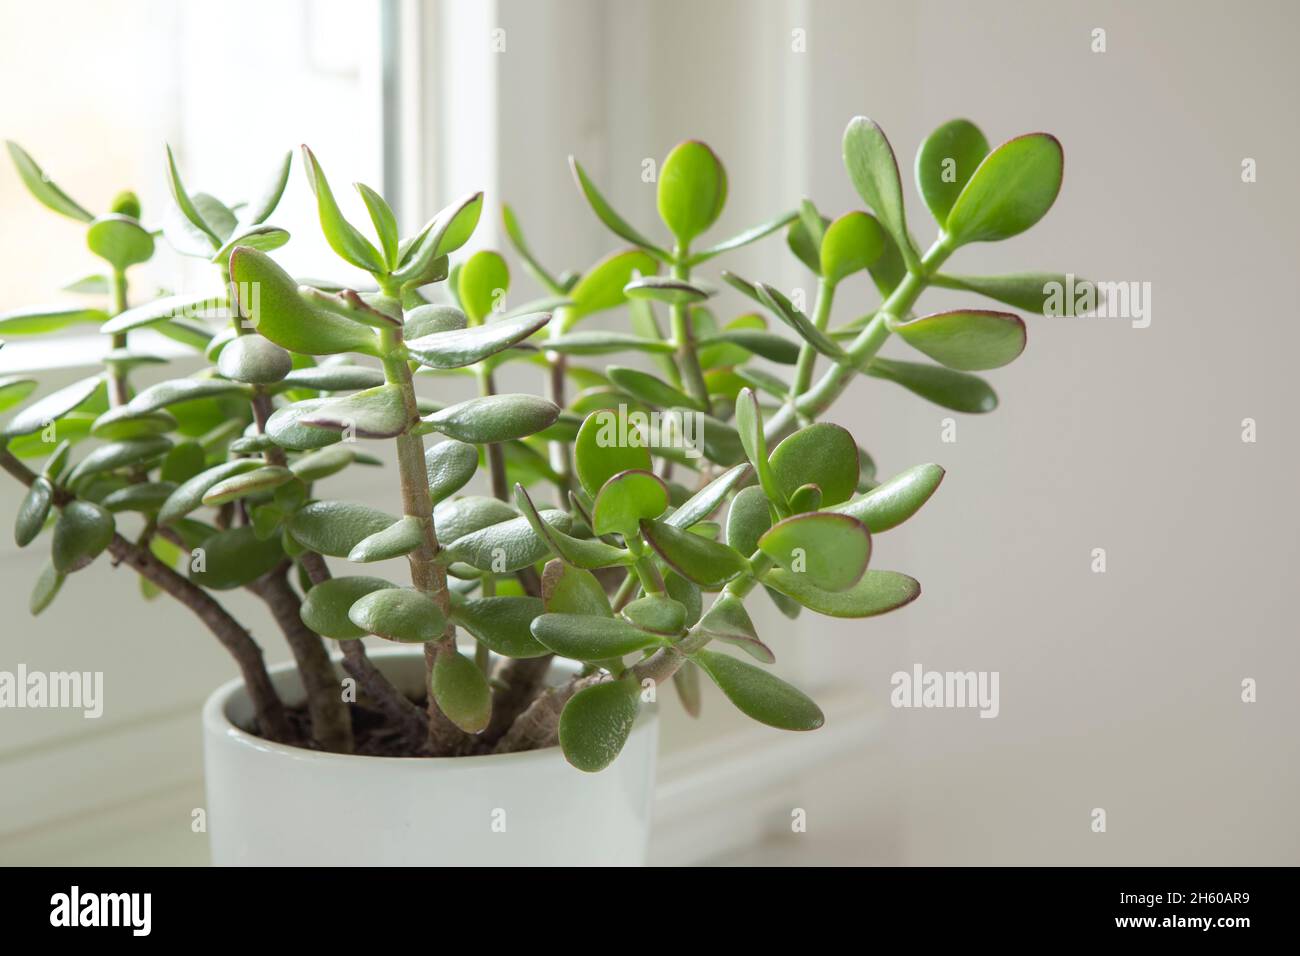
point(1119, 690)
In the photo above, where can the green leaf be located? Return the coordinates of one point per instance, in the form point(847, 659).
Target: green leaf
point(507, 546)
point(729, 622)
point(603, 450)
point(666, 289)
point(461, 516)
point(596, 722)
point(686, 680)
point(891, 503)
point(14, 389)
point(945, 163)
point(178, 390)
point(603, 286)
point(749, 425)
point(334, 528)
point(707, 563)
point(286, 429)
point(255, 360)
point(482, 283)
point(1042, 293)
point(748, 519)
point(185, 204)
point(120, 422)
point(580, 552)
point(760, 695)
point(252, 482)
point(968, 340)
point(804, 237)
point(52, 407)
point(143, 498)
point(787, 313)
point(612, 220)
point(326, 606)
point(822, 454)
point(831, 550)
point(692, 190)
point(766, 344)
point(385, 223)
point(189, 495)
point(494, 418)
point(956, 390)
point(120, 454)
point(162, 310)
point(261, 208)
point(752, 234)
point(343, 237)
point(570, 590)
point(449, 464)
point(335, 378)
point(184, 461)
point(458, 348)
point(627, 499)
point(428, 319)
point(1011, 190)
point(264, 238)
point(374, 413)
point(461, 691)
point(877, 593)
point(399, 538)
point(234, 558)
point(657, 614)
point(851, 243)
point(873, 171)
point(46, 589)
point(48, 319)
point(586, 638)
point(33, 511)
point(43, 188)
point(268, 298)
point(502, 623)
point(603, 343)
point(119, 241)
point(375, 311)
point(443, 234)
point(516, 235)
point(647, 388)
point(398, 614)
point(705, 501)
point(82, 531)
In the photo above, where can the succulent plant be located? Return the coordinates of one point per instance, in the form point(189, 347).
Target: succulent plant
point(634, 509)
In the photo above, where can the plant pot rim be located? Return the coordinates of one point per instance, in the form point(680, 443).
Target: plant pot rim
point(216, 723)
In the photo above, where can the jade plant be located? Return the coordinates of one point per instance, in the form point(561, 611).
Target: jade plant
point(629, 514)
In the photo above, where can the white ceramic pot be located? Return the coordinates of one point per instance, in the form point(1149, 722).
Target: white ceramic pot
point(272, 805)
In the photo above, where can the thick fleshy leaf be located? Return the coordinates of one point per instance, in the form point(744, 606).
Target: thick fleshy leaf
point(269, 300)
point(449, 465)
point(255, 360)
point(873, 170)
point(385, 223)
point(398, 614)
point(805, 498)
point(120, 422)
point(945, 163)
point(374, 310)
point(50, 318)
point(334, 528)
point(831, 550)
point(461, 691)
point(602, 287)
point(959, 391)
point(119, 241)
point(326, 606)
point(891, 503)
point(570, 590)
point(507, 546)
point(343, 237)
point(851, 243)
point(785, 311)
point(627, 499)
point(647, 388)
point(401, 537)
point(458, 348)
point(233, 558)
point(286, 429)
point(707, 500)
point(43, 188)
point(14, 389)
point(822, 454)
point(968, 340)
point(482, 283)
point(186, 204)
point(729, 622)
point(686, 680)
point(1011, 190)
point(52, 407)
point(465, 515)
point(162, 310)
point(252, 482)
point(442, 235)
point(494, 418)
point(804, 237)
point(658, 614)
point(177, 390)
point(260, 208)
point(666, 289)
point(877, 593)
point(760, 695)
point(586, 638)
point(33, 511)
point(427, 319)
point(374, 413)
point(692, 190)
point(748, 519)
point(603, 449)
point(316, 465)
point(46, 588)
point(596, 722)
point(749, 425)
point(515, 233)
point(687, 594)
point(580, 552)
point(604, 343)
point(120, 454)
point(335, 378)
point(502, 623)
point(752, 234)
point(143, 498)
point(1042, 293)
point(705, 562)
point(189, 495)
point(770, 346)
point(612, 220)
point(82, 532)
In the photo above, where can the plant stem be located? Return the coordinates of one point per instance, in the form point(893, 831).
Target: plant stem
point(683, 328)
point(119, 392)
point(492, 452)
point(807, 354)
